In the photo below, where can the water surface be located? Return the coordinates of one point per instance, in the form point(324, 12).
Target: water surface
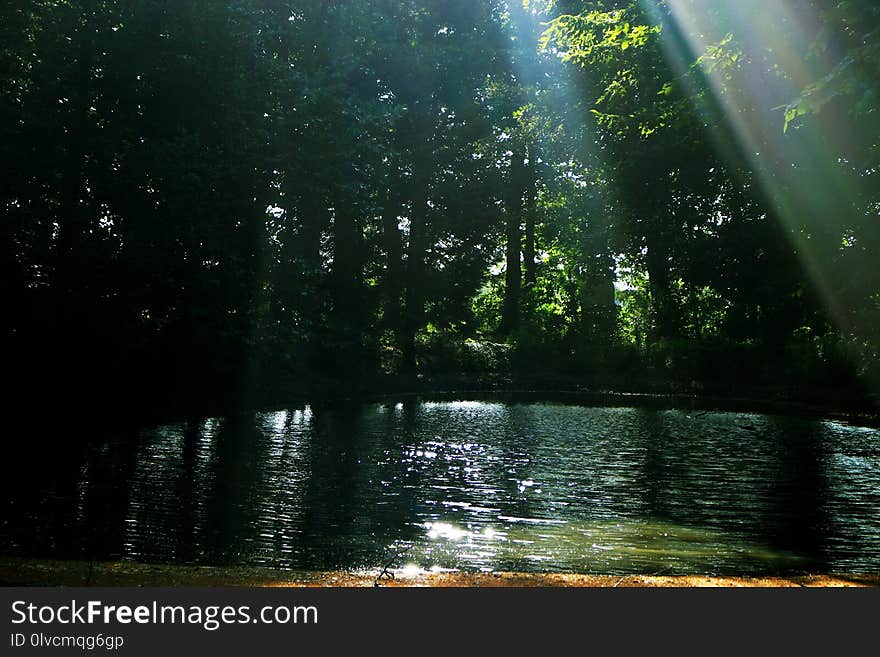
point(466, 485)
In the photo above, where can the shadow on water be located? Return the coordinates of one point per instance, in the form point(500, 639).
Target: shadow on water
point(464, 485)
point(183, 539)
point(798, 489)
point(335, 444)
point(236, 473)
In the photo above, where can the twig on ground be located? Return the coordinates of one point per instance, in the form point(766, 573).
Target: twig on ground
point(394, 558)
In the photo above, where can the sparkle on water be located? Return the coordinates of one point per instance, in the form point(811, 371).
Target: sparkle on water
point(471, 486)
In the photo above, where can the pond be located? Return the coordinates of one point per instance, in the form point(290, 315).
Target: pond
point(467, 485)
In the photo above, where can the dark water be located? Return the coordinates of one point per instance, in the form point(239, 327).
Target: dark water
point(466, 485)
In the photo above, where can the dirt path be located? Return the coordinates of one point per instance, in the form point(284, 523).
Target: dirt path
point(42, 572)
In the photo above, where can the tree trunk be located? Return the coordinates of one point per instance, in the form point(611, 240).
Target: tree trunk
point(306, 293)
point(415, 272)
point(422, 117)
point(529, 251)
point(597, 302)
point(347, 271)
point(513, 231)
point(72, 222)
point(662, 301)
point(392, 311)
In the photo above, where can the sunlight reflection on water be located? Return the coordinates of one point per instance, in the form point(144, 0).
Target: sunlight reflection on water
point(479, 486)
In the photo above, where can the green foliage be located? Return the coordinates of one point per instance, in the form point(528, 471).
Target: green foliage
point(594, 37)
point(853, 29)
point(228, 201)
point(447, 354)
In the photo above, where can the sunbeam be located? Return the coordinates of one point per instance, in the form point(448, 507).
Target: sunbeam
point(755, 69)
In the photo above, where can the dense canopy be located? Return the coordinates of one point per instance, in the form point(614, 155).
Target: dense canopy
point(226, 203)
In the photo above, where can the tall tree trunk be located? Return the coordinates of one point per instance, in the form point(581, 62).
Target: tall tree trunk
point(531, 218)
point(662, 301)
point(347, 274)
point(73, 307)
point(415, 272)
point(597, 302)
point(513, 232)
point(392, 310)
point(529, 251)
point(422, 117)
point(71, 215)
point(314, 218)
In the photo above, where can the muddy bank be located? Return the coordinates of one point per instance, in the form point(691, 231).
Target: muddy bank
point(41, 572)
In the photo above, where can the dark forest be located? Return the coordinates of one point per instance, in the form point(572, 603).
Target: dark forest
point(209, 206)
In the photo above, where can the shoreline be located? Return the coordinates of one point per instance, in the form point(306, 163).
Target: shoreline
point(19, 571)
point(816, 404)
point(772, 402)
point(693, 402)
